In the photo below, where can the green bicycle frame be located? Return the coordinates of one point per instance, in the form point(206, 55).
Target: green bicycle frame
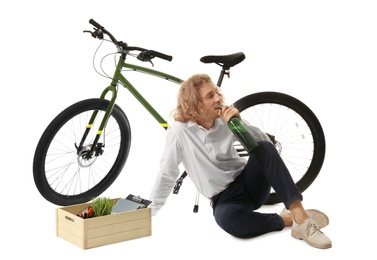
point(119, 77)
point(139, 97)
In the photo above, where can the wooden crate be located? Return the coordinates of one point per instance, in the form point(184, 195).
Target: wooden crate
point(104, 230)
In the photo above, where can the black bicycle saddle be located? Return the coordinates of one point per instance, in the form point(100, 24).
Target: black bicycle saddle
point(226, 61)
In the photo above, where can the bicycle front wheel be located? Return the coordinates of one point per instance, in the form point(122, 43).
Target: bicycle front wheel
point(293, 128)
point(63, 173)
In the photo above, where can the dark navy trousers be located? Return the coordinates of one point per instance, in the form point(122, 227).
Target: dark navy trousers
point(234, 208)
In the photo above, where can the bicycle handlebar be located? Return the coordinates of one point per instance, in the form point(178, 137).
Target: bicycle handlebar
point(145, 55)
point(95, 24)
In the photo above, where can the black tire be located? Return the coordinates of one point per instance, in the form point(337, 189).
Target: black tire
point(295, 131)
point(62, 175)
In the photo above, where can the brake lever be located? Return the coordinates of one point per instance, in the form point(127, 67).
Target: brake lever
point(96, 34)
point(145, 56)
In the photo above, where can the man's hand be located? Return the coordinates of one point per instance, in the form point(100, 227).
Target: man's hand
point(227, 112)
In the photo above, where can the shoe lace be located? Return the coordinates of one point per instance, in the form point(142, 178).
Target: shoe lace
point(311, 228)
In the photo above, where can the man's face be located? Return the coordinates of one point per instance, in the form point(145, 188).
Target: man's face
point(211, 99)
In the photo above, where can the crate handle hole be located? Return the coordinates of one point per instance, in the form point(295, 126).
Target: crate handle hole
point(69, 218)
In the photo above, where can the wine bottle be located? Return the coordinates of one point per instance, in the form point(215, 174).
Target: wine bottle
point(243, 135)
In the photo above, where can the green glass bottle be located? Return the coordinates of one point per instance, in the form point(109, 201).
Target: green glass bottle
point(243, 135)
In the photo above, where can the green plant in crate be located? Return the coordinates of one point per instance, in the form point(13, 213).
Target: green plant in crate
point(102, 206)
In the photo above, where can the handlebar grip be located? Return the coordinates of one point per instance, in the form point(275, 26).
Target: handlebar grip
point(97, 25)
point(162, 56)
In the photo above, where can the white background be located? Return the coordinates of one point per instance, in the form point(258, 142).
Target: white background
point(322, 52)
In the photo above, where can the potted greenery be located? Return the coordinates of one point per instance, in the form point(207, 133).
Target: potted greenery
point(102, 206)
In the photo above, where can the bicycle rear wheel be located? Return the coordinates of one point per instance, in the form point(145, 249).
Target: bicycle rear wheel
point(62, 173)
point(293, 128)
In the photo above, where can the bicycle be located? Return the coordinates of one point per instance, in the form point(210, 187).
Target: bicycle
point(85, 147)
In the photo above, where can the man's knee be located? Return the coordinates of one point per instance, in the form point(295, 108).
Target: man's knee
point(231, 218)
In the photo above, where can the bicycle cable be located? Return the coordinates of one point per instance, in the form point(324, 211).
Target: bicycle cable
point(103, 71)
point(103, 74)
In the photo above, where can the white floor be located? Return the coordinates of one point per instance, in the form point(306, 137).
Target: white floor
point(322, 52)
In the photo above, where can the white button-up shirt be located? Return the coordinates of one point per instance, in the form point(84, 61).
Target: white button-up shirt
point(208, 155)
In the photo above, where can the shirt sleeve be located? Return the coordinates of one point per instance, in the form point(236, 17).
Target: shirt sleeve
point(168, 172)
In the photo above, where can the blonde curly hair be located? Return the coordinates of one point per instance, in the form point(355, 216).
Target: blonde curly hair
point(188, 101)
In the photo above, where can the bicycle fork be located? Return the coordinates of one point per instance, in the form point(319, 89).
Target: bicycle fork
point(96, 148)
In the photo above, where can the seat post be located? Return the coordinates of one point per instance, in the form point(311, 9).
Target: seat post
point(223, 72)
